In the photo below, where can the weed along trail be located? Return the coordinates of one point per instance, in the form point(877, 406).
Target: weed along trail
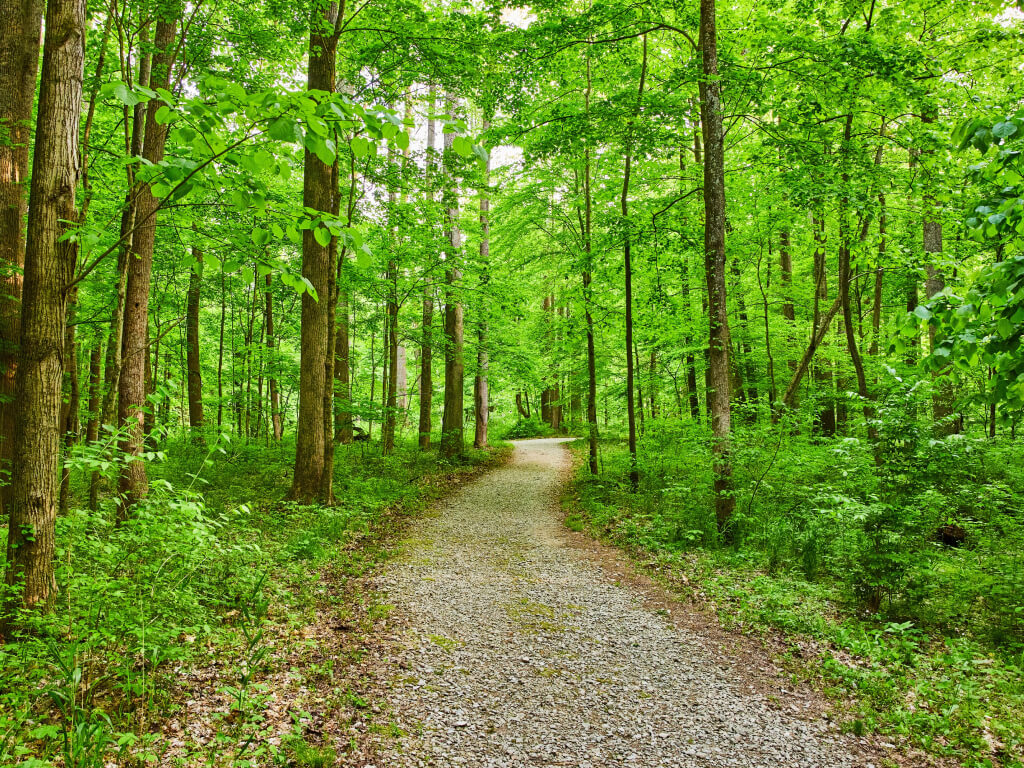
point(510, 648)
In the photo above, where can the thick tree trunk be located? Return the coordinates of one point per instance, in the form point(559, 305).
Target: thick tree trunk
point(452, 441)
point(19, 63)
point(49, 268)
point(133, 484)
point(714, 261)
point(481, 399)
point(195, 375)
point(317, 267)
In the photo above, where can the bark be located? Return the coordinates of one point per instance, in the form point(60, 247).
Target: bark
point(876, 305)
point(426, 348)
point(19, 63)
point(317, 267)
point(845, 279)
point(789, 397)
point(627, 256)
point(825, 419)
point(391, 390)
point(276, 426)
point(48, 270)
point(133, 483)
point(588, 294)
point(524, 412)
point(714, 261)
point(92, 429)
point(71, 402)
point(452, 444)
point(343, 431)
point(195, 376)
point(220, 353)
point(481, 397)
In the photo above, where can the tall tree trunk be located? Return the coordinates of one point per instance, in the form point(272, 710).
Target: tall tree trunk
point(845, 278)
point(634, 469)
point(317, 266)
point(935, 283)
point(326, 492)
point(876, 305)
point(588, 291)
point(452, 444)
point(714, 264)
point(133, 484)
point(19, 63)
point(825, 419)
point(426, 348)
point(48, 271)
point(276, 427)
point(481, 397)
point(71, 401)
point(195, 375)
point(92, 429)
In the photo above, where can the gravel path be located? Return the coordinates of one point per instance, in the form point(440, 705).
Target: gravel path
point(514, 650)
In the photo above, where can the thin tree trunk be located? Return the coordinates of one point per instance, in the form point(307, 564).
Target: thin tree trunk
point(588, 293)
point(876, 306)
point(326, 492)
point(634, 469)
point(92, 429)
point(426, 348)
point(48, 271)
point(714, 260)
point(277, 430)
point(195, 376)
point(71, 404)
point(845, 278)
point(825, 419)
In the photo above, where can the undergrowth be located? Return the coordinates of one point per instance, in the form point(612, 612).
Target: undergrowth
point(198, 572)
point(909, 580)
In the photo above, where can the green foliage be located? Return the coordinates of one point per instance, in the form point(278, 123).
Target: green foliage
point(903, 558)
point(526, 428)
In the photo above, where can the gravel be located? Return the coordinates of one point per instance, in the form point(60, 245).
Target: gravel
point(513, 650)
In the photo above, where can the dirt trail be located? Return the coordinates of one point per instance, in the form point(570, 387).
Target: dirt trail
point(513, 649)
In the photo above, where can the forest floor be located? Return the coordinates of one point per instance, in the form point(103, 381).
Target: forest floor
point(512, 641)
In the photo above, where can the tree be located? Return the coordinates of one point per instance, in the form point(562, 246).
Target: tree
point(49, 268)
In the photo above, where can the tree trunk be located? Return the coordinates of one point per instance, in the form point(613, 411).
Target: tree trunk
point(588, 294)
point(92, 429)
point(195, 376)
point(275, 394)
point(714, 262)
point(317, 266)
point(426, 348)
point(452, 419)
point(71, 397)
point(49, 268)
point(634, 469)
point(481, 398)
point(133, 484)
point(825, 419)
point(845, 278)
point(19, 63)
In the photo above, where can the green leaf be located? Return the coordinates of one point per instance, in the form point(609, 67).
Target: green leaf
point(285, 129)
point(1004, 130)
point(923, 312)
point(360, 146)
point(260, 236)
point(323, 236)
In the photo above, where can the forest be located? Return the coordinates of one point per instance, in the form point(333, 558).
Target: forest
point(277, 278)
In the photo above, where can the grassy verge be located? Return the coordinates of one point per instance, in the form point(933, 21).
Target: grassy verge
point(214, 627)
point(947, 690)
